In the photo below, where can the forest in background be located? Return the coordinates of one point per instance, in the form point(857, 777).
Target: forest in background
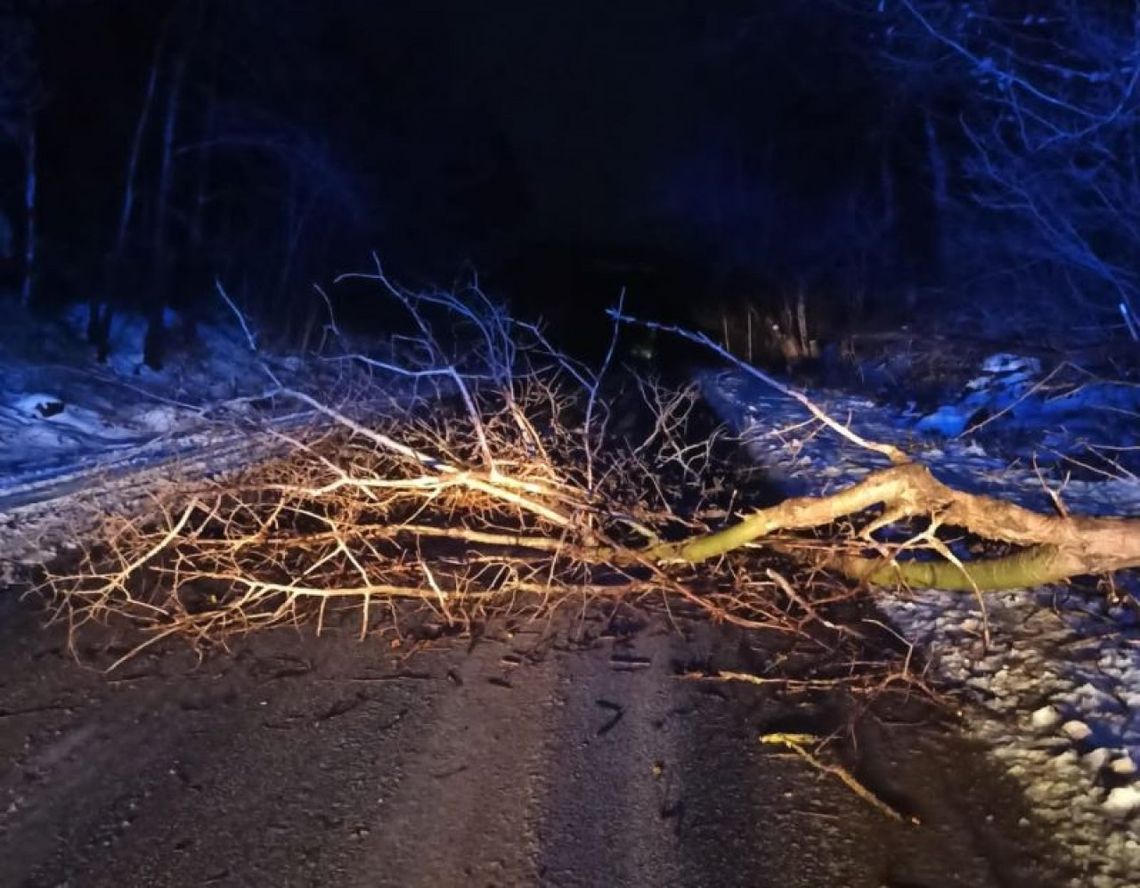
point(877, 159)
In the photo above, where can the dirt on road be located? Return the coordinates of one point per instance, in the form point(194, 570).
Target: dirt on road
point(553, 754)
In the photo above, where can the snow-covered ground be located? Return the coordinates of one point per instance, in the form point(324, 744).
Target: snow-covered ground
point(76, 433)
point(1057, 695)
point(59, 406)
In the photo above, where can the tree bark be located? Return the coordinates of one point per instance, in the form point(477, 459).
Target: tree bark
point(1053, 547)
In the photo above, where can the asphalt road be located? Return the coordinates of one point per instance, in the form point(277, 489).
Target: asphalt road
point(530, 757)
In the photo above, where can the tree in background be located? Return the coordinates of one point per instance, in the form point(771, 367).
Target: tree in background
point(227, 173)
point(1031, 114)
point(19, 94)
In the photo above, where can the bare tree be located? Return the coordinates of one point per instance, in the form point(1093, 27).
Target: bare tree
point(19, 89)
point(1040, 101)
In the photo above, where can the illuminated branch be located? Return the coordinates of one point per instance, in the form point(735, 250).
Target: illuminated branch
point(404, 512)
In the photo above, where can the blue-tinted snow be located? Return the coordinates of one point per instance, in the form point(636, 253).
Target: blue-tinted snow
point(73, 429)
point(781, 435)
point(1057, 695)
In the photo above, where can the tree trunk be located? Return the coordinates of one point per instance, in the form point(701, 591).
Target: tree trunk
point(939, 187)
point(1052, 547)
point(29, 212)
point(127, 210)
point(154, 346)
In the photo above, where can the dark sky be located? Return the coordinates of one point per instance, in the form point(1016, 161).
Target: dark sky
point(441, 131)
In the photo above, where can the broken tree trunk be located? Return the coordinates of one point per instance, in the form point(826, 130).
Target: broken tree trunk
point(1053, 547)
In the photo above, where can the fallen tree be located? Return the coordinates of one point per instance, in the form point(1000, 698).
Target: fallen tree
point(1056, 547)
point(521, 480)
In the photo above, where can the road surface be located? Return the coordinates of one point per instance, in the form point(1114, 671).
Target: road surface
point(547, 754)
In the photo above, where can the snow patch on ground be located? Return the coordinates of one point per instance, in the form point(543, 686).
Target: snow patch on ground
point(1057, 695)
point(59, 406)
point(80, 439)
point(1052, 700)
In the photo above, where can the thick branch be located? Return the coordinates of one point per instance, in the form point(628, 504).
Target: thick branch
point(1058, 547)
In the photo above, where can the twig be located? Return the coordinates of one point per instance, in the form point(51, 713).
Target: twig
point(250, 336)
point(797, 742)
point(894, 454)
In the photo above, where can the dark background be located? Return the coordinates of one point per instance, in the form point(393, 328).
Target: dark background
point(863, 156)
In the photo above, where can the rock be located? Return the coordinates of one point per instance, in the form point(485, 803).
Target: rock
point(1046, 717)
point(1076, 730)
point(1122, 800)
point(1123, 766)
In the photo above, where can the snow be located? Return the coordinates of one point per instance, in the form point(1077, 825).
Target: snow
point(75, 432)
point(1122, 800)
point(59, 407)
point(79, 438)
point(1076, 730)
point(1075, 407)
point(37, 406)
point(1056, 697)
point(1123, 766)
